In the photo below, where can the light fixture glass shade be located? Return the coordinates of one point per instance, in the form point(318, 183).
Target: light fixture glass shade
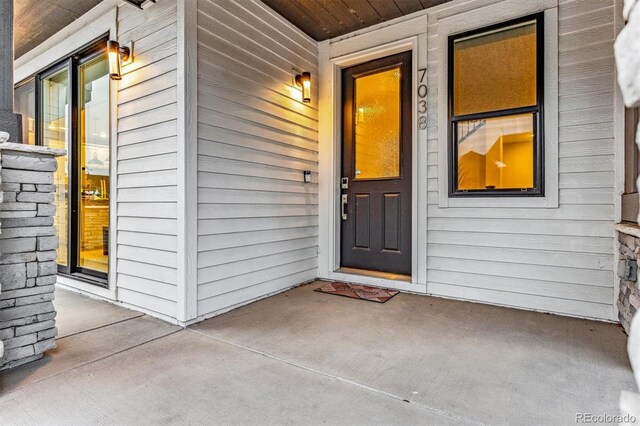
point(113, 50)
point(304, 81)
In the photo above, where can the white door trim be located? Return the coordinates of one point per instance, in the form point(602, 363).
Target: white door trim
point(330, 159)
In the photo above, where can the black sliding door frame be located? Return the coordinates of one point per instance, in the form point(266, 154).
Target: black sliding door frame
point(72, 65)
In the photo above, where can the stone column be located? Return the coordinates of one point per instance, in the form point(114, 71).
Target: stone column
point(28, 244)
point(9, 122)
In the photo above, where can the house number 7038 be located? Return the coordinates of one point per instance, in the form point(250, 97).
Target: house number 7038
point(422, 99)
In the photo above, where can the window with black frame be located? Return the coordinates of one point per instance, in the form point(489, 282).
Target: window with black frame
point(495, 110)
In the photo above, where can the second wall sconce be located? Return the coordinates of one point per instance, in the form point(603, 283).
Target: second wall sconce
point(304, 82)
point(117, 56)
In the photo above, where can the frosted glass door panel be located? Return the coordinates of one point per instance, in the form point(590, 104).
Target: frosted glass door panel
point(377, 125)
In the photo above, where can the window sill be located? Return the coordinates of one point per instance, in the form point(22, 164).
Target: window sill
point(501, 202)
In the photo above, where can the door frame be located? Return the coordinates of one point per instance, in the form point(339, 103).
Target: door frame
point(330, 159)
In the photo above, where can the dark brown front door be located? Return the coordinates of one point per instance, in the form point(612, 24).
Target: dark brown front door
point(376, 165)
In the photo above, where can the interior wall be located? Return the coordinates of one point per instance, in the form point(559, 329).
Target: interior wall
point(257, 219)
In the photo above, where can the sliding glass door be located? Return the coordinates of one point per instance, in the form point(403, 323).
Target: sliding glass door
point(72, 104)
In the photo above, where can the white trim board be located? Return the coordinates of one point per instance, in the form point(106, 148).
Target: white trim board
point(187, 147)
point(113, 181)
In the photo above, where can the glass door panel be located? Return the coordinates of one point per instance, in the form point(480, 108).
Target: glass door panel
point(377, 125)
point(93, 167)
point(55, 123)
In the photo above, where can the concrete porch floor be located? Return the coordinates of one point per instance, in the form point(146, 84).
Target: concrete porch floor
point(303, 357)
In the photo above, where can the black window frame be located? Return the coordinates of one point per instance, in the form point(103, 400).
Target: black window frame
point(72, 64)
point(537, 111)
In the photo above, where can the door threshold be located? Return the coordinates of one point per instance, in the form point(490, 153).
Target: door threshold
point(375, 274)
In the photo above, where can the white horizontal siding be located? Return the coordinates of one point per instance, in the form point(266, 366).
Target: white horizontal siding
point(146, 269)
point(257, 220)
point(558, 260)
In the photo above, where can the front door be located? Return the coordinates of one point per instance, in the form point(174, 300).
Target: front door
point(376, 165)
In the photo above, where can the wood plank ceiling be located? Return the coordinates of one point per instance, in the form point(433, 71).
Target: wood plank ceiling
point(34, 21)
point(37, 20)
point(324, 19)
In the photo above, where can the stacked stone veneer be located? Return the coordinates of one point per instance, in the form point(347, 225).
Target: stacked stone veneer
point(28, 246)
point(628, 301)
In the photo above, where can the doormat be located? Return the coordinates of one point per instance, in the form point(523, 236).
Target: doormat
point(356, 291)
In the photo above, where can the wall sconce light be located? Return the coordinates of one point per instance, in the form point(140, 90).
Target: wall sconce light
point(141, 4)
point(117, 56)
point(304, 82)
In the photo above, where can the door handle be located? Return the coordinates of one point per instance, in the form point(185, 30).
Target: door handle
point(343, 206)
